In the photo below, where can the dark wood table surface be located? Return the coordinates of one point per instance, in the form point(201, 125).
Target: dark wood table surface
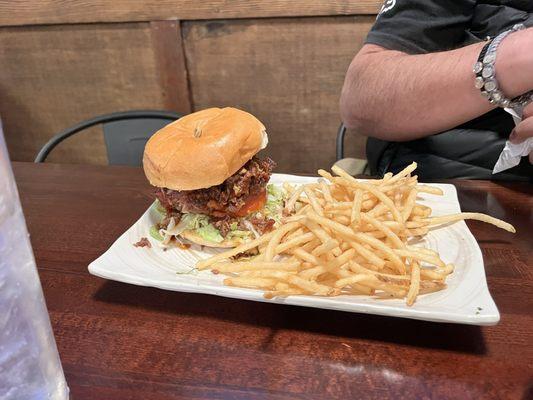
point(120, 341)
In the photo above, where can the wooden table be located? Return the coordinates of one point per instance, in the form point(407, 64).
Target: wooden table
point(120, 341)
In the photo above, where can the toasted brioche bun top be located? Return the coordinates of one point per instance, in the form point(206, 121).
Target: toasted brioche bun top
point(202, 149)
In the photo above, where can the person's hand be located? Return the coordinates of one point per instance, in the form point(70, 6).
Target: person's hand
point(524, 129)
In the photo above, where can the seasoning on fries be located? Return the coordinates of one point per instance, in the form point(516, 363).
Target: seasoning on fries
point(345, 236)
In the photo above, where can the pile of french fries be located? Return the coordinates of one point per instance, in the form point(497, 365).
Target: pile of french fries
point(346, 236)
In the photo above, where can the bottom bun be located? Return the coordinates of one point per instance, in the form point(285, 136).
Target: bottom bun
point(192, 236)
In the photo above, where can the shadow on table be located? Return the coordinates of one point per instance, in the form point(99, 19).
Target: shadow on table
point(453, 337)
point(518, 187)
point(528, 393)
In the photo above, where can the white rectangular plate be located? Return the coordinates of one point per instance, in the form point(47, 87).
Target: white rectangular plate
point(465, 300)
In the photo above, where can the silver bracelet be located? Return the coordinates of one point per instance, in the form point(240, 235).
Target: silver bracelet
point(485, 72)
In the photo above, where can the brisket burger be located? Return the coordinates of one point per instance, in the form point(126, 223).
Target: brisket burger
point(211, 187)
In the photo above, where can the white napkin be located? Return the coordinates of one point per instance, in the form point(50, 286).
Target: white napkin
point(512, 153)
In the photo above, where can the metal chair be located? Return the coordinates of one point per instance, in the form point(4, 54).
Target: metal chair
point(125, 134)
point(353, 166)
point(339, 144)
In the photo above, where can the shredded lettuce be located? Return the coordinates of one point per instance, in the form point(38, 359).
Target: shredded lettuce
point(210, 233)
point(193, 221)
point(274, 203)
point(200, 224)
point(238, 234)
point(274, 192)
point(154, 232)
point(159, 208)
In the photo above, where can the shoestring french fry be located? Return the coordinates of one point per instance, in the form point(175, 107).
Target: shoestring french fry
point(355, 216)
point(325, 191)
point(367, 254)
point(343, 236)
point(409, 204)
point(276, 238)
point(289, 205)
point(385, 229)
point(310, 245)
point(288, 187)
point(352, 182)
point(295, 241)
point(204, 264)
point(313, 200)
point(303, 209)
point(469, 215)
point(254, 266)
point(414, 286)
point(252, 283)
point(430, 189)
point(325, 247)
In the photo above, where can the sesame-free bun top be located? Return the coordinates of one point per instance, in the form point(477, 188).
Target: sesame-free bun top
point(202, 149)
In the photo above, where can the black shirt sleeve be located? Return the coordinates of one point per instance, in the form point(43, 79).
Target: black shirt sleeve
point(422, 26)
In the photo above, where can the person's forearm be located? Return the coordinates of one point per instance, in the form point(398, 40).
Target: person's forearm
point(394, 96)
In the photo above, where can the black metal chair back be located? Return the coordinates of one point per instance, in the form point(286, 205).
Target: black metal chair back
point(340, 142)
point(125, 134)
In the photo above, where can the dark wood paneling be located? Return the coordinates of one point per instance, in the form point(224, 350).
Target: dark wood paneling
point(168, 48)
point(55, 76)
point(288, 72)
point(75, 11)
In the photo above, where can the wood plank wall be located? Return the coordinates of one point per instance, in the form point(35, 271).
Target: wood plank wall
point(284, 61)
